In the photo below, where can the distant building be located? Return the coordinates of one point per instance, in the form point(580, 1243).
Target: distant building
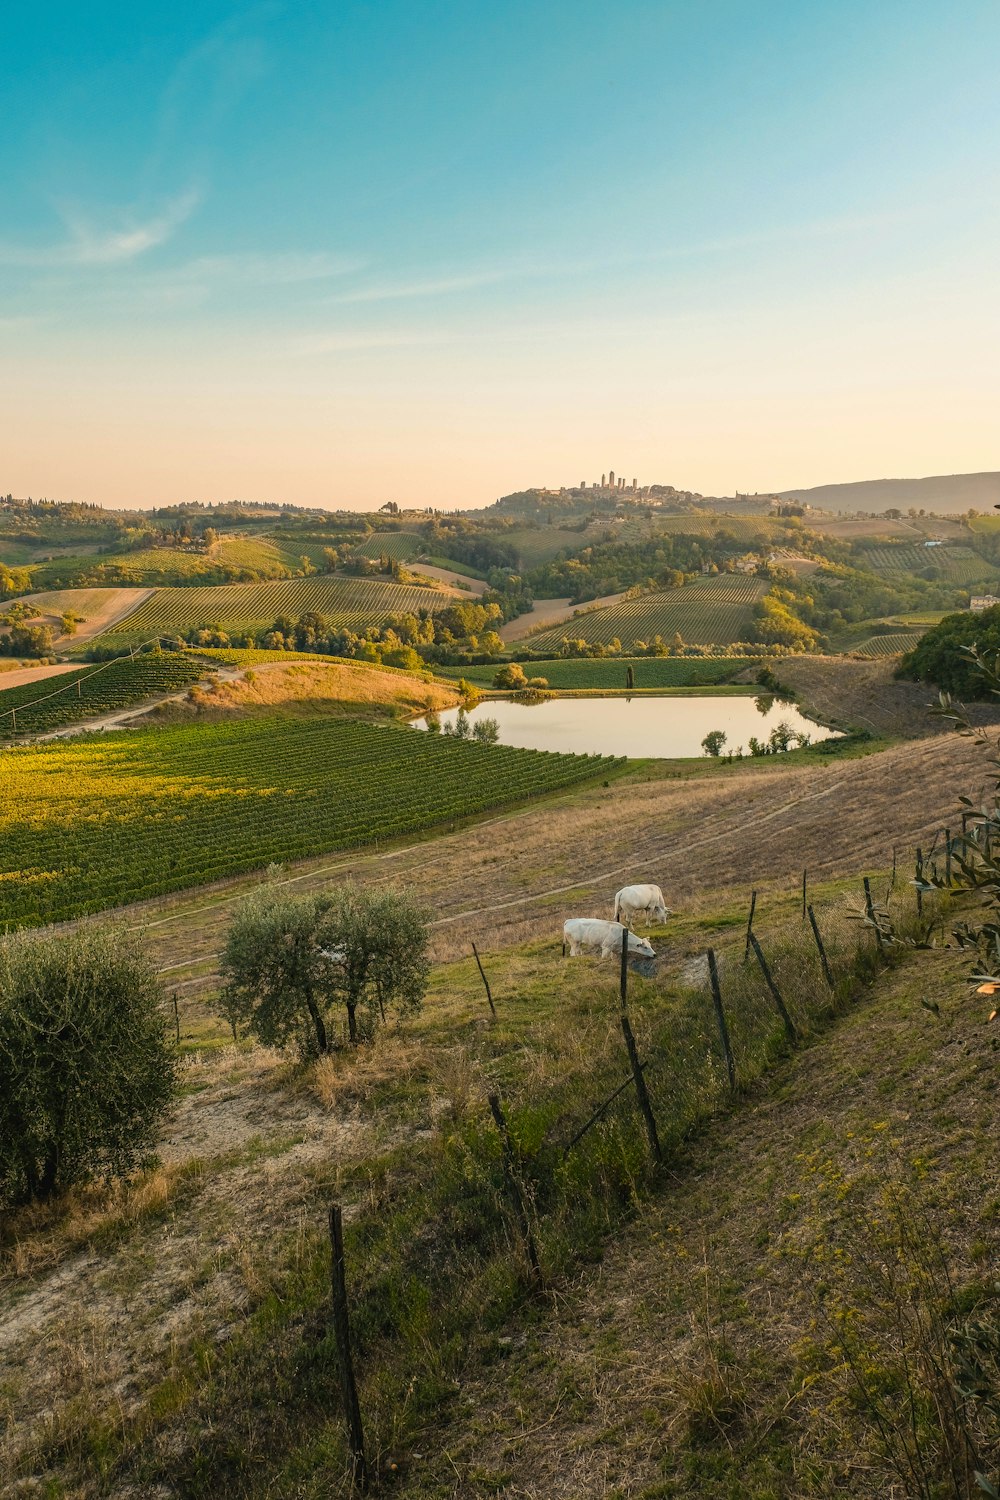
point(979, 602)
point(604, 480)
point(748, 563)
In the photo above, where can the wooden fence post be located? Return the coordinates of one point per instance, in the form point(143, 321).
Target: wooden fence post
point(342, 1330)
point(623, 970)
point(870, 913)
point(822, 951)
point(720, 1016)
point(753, 908)
point(489, 997)
point(641, 1092)
point(177, 1021)
point(775, 992)
point(515, 1187)
point(803, 895)
point(920, 878)
point(947, 857)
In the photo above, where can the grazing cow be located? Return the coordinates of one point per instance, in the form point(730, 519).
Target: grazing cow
point(585, 934)
point(631, 900)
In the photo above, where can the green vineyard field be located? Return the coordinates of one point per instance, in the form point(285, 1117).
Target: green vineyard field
point(709, 612)
point(888, 645)
point(94, 823)
point(399, 545)
point(566, 674)
point(252, 608)
point(92, 691)
point(959, 564)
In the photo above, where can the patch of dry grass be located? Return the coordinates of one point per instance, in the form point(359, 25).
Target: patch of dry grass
point(312, 687)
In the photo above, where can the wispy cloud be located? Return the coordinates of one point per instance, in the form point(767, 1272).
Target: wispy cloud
point(275, 268)
point(440, 286)
point(91, 244)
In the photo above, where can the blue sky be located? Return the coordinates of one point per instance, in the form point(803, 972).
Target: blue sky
point(348, 252)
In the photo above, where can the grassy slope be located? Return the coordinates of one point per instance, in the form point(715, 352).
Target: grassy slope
point(689, 1364)
point(704, 1359)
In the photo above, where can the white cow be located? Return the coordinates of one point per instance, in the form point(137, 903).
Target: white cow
point(585, 934)
point(631, 900)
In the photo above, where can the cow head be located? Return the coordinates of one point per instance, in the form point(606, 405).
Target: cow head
point(640, 946)
point(660, 914)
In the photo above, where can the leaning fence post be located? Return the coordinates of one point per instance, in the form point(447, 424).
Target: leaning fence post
point(343, 1333)
point(775, 992)
point(515, 1186)
point(870, 913)
point(720, 1016)
point(753, 908)
point(482, 975)
point(822, 951)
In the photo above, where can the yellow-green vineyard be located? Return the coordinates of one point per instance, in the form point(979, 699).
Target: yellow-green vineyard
point(91, 824)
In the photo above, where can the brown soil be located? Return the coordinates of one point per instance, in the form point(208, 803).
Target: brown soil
point(19, 676)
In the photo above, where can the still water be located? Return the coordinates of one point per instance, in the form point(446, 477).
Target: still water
point(640, 726)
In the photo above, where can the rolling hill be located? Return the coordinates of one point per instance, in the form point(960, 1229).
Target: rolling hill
point(948, 494)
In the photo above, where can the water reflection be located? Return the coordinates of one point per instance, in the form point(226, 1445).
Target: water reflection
point(641, 726)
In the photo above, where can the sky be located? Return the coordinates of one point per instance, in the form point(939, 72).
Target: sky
point(341, 253)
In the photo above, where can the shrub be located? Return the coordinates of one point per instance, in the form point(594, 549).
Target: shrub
point(290, 962)
point(86, 1070)
point(511, 677)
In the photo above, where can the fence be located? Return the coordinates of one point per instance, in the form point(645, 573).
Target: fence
point(513, 1194)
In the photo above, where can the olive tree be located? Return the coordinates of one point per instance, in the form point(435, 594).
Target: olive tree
point(86, 1068)
point(292, 962)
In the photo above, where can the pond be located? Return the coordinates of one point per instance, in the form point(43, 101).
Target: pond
point(641, 726)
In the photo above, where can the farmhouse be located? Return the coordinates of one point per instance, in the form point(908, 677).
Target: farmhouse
point(979, 602)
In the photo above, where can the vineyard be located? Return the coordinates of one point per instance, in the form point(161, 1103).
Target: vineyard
point(399, 545)
point(961, 564)
point(94, 823)
point(539, 545)
point(38, 707)
point(888, 645)
point(566, 674)
point(252, 608)
point(709, 612)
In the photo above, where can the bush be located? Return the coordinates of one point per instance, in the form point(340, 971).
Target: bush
point(86, 1070)
point(291, 961)
point(512, 676)
point(944, 655)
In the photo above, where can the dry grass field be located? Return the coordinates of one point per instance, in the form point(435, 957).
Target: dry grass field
point(692, 1334)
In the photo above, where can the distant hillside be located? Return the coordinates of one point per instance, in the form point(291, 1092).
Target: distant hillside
point(947, 494)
